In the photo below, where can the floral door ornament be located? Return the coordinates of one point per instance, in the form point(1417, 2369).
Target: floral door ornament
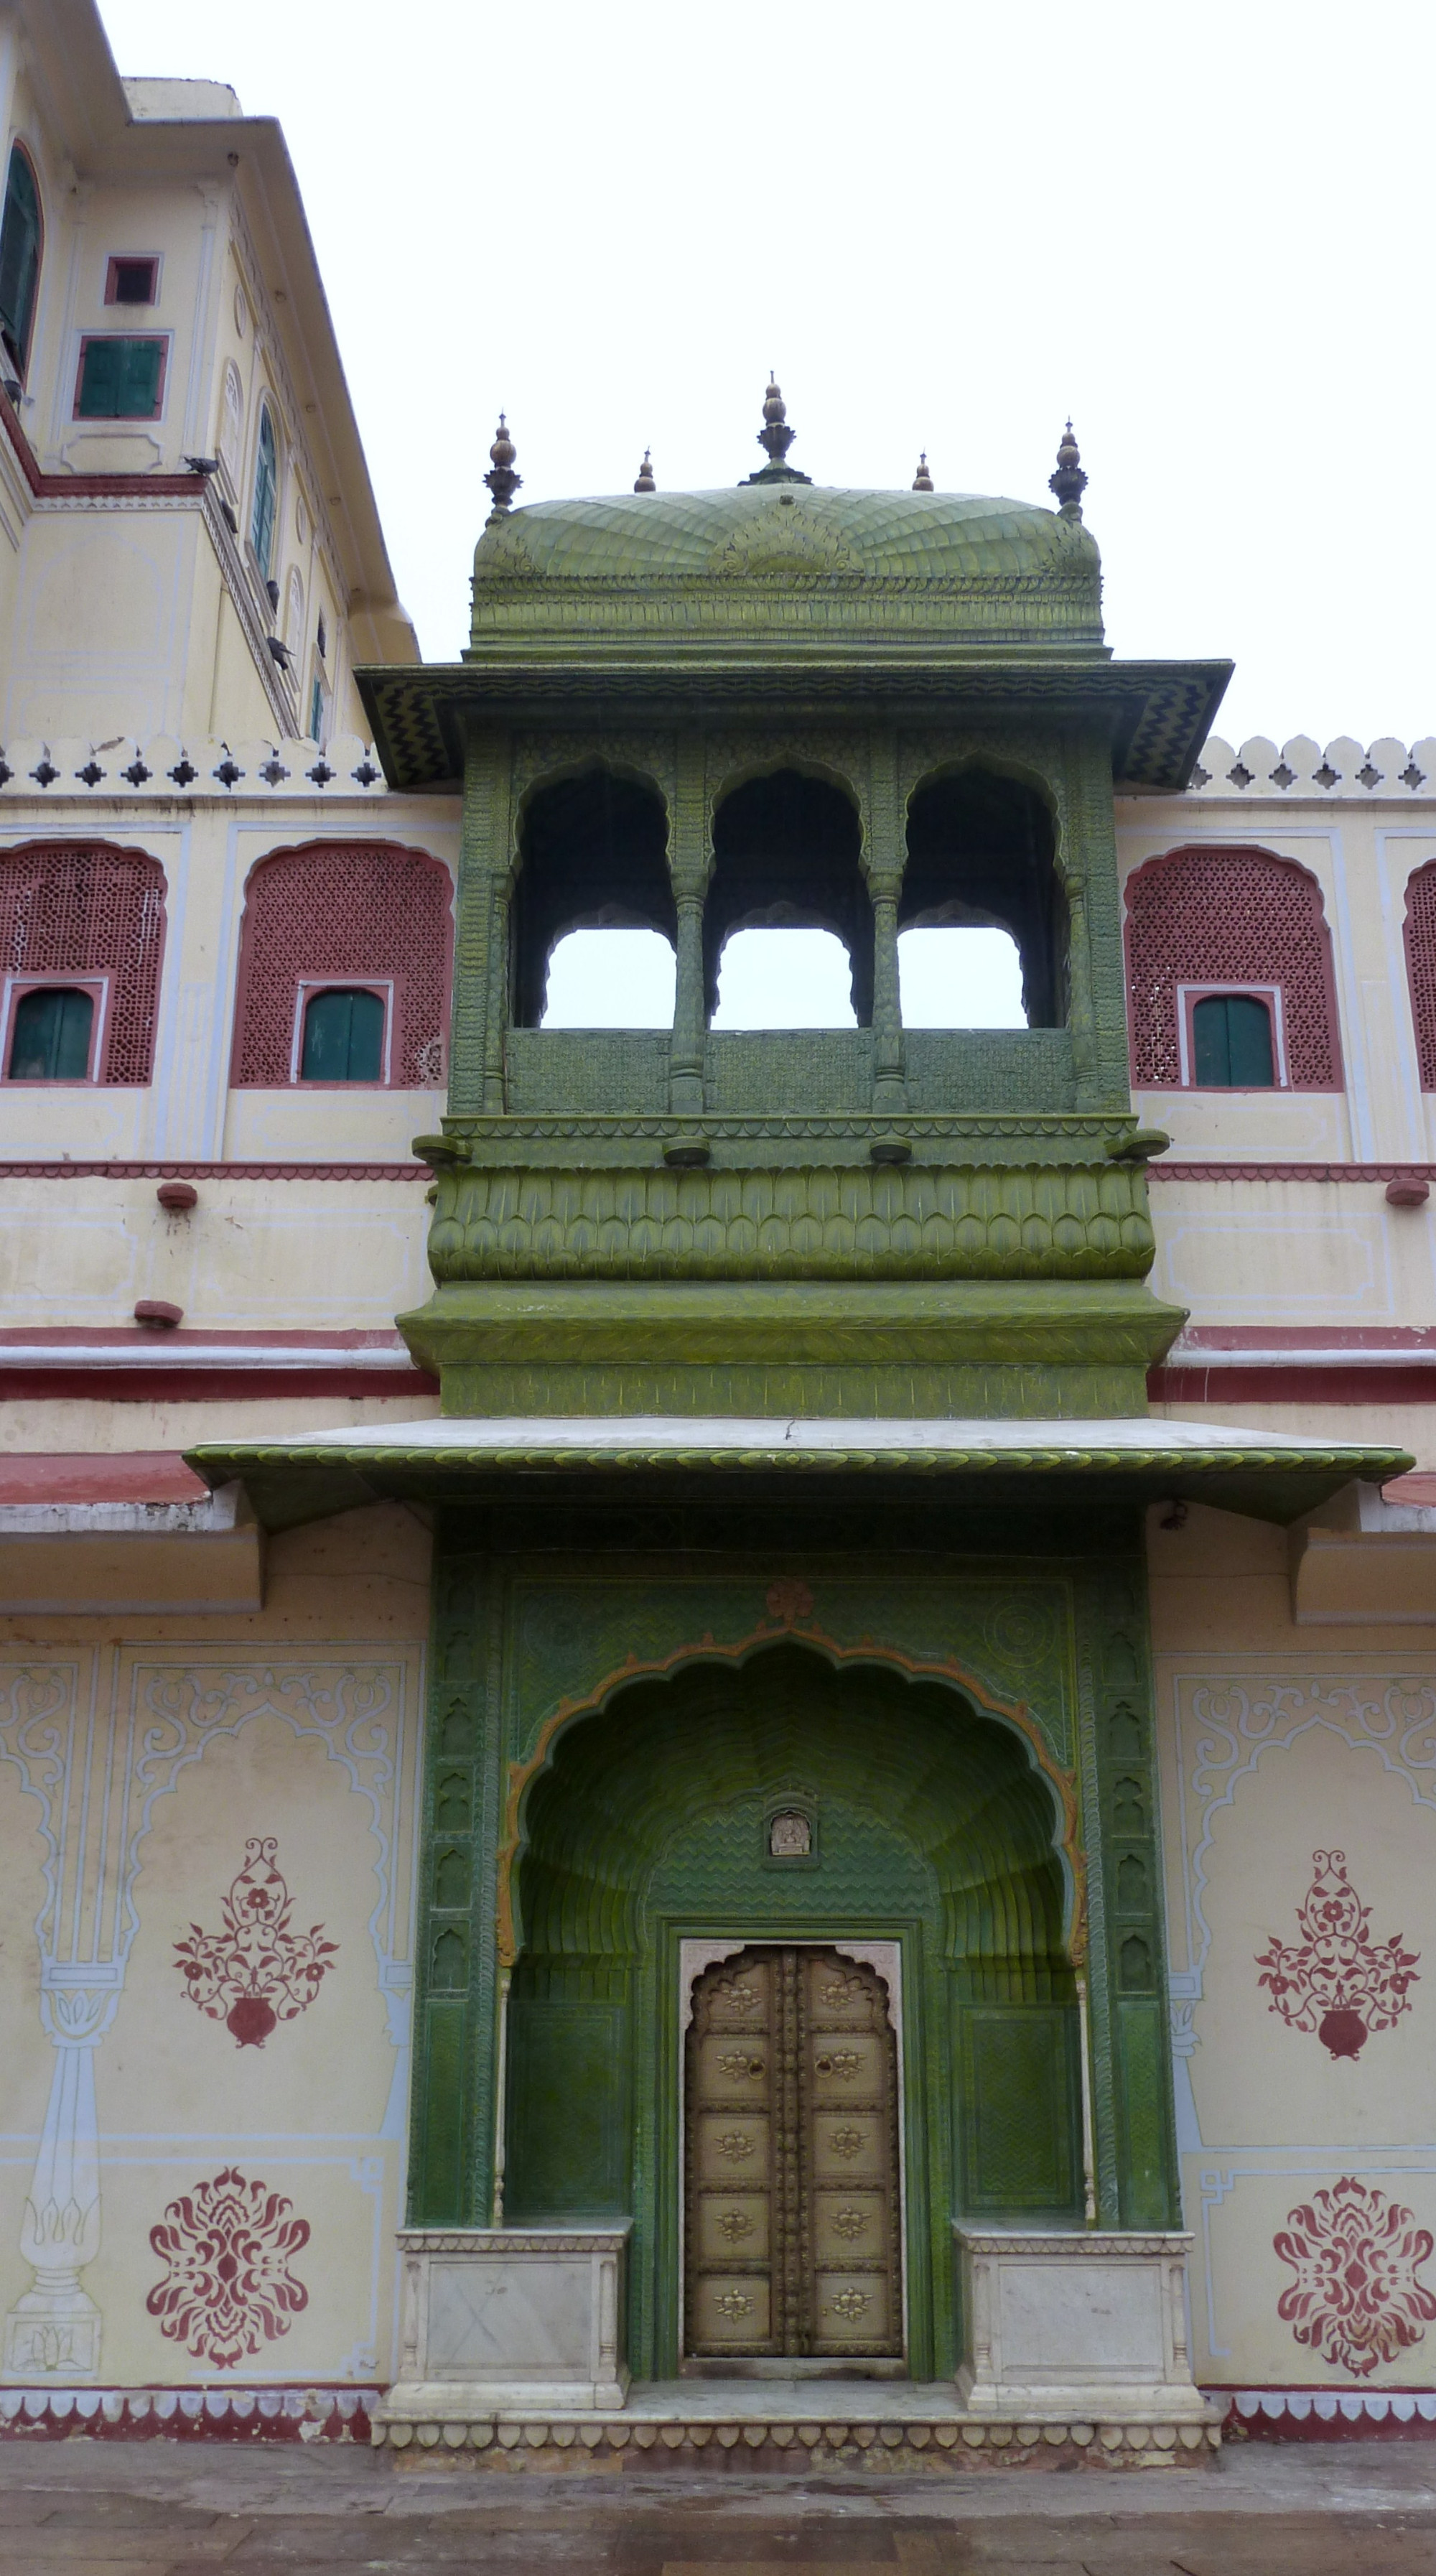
point(1336, 1980)
point(257, 1971)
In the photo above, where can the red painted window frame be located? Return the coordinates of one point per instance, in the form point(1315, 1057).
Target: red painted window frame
point(384, 989)
point(97, 984)
point(132, 259)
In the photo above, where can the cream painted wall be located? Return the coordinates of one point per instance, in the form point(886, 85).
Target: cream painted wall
point(1277, 1743)
point(116, 627)
point(1254, 1251)
point(134, 1767)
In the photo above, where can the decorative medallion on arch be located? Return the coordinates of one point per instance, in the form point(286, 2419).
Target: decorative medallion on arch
point(792, 2217)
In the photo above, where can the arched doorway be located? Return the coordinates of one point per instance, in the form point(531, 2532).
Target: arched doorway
point(783, 1804)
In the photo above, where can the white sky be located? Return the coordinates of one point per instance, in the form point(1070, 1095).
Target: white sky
point(1206, 233)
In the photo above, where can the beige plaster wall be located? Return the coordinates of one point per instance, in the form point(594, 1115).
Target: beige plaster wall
point(135, 1766)
point(1278, 1743)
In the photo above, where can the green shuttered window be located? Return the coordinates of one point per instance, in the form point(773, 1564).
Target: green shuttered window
point(1231, 1044)
point(343, 1037)
point(51, 1036)
point(120, 379)
point(19, 258)
point(266, 494)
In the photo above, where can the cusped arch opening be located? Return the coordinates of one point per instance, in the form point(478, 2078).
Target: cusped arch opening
point(593, 860)
point(982, 856)
point(787, 858)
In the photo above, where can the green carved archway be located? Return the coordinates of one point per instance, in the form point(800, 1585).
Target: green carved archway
point(932, 1827)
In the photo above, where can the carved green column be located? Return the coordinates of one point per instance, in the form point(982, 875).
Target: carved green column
point(478, 939)
point(690, 863)
point(886, 857)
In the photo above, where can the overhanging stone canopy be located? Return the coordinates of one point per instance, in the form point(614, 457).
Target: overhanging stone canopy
point(1270, 1475)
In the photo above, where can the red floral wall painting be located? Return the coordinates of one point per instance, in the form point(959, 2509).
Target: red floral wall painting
point(1356, 2299)
point(257, 1972)
point(1336, 1980)
point(227, 2288)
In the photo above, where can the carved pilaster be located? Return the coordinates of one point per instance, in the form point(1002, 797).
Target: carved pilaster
point(476, 1044)
point(886, 857)
point(690, 861)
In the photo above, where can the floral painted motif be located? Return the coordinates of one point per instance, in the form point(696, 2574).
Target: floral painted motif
point(789, 1599)
point(256, 1972)
point(228, 2289)
point(1336, 1981)
point(1356, 2300)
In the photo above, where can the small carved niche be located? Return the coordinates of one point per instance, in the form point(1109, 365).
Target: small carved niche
point(790, 1835)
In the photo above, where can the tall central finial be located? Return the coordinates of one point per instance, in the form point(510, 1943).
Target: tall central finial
point(502, 481)
point(1069, 482)
point(777, 438)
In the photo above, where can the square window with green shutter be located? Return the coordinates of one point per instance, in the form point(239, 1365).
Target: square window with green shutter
point(120, 378)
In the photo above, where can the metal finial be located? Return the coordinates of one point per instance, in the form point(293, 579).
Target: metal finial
point(777, 438)
point(922, 480)
point(775, 434)
point(645, 482)
point(1069, 482)
point(503, 482)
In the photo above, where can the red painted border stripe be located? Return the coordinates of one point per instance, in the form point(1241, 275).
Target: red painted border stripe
point(66, 1171)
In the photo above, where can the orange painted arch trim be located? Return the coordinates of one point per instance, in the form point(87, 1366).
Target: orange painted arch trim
point(706, 1650)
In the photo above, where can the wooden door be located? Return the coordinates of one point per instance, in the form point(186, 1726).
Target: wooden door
point(792, 2222)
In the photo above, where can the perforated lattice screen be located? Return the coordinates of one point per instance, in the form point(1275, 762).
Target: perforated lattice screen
point(83, 909)
point(1421, 967)
point(354, 911)
point(1229, 917)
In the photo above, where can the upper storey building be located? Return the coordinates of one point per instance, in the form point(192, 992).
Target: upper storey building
point(189, 547)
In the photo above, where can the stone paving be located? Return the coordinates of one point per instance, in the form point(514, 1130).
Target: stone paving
point(82, 2508)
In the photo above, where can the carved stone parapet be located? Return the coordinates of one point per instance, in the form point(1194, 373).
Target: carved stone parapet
point(496, 2317)
point(1065, 2319)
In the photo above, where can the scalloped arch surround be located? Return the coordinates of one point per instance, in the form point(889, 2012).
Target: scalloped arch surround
point(936, 1808)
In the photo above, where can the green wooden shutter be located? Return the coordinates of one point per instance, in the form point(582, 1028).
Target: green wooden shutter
point(1249, 1043)
point(139, 386)
point(343, 1037)
point(99, 380)
point(120, 379)
point(19, 257)
point(1231, 1043)
point(51, 1041)
point(266, 489)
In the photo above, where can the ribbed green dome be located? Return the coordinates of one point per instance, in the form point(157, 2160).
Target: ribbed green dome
point(814, 558)
point(927, 536)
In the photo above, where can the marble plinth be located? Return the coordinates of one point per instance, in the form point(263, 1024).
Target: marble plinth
point(509, 2317)
point(1058, 2321)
